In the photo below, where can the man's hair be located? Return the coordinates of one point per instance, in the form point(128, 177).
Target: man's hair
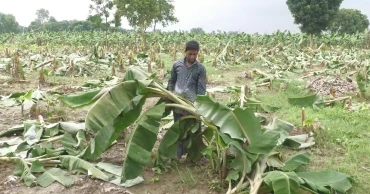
point(192, 45)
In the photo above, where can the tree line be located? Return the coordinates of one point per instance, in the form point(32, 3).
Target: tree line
point(313, 16)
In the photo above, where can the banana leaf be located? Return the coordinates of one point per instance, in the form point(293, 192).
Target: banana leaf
point(141, 143)
point(241, 124)
point(282, 182)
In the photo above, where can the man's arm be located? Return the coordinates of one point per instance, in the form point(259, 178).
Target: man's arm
point(202, 83)
point(172, 80)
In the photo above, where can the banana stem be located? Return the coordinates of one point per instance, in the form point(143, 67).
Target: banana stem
point(186, 108)
point(52, 139)
point(240, 184)
point(30, 160)
point(188, 117)
point(172, 96)
point(336, 100)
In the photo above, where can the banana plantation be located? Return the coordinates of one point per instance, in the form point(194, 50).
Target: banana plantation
point(86, 112)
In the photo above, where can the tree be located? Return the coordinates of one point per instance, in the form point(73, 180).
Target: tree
point(142, 14)
point(8, 23)
point(52, 19)
point(102, 8)
point(95, 20)
point(197, 31)
point(35, 25)
point(349, 21)
point(42, 15)
point(314, 16)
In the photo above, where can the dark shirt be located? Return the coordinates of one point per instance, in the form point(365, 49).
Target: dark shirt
point(187, 82)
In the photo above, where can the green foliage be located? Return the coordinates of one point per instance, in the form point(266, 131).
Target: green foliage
point(326, 181)
point(101, 8)
point(139, 152)
point(314, 16)
point(282, 182)
point(197, 30)
point(8, 23)
point(45, 22)
point(143, 13)
point(42, 15)
point(96, 20)
point(349, 21)
point(55, 174)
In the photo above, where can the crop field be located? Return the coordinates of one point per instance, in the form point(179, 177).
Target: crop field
point(82, 112)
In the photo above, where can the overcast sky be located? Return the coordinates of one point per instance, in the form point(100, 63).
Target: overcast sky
point(250, 16)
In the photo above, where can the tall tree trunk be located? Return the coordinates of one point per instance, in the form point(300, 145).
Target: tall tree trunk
point(155, 24)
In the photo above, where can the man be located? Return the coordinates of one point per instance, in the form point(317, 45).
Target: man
point(188, 79)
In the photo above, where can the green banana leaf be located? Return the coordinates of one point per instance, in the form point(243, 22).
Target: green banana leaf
point(295, 161)
point(55, 174)
point(304, 101)
point(74, 145)
point(37, 166)
point(168, 145)
point(141, 143)
point(111, 104)
point(282, 182)
point(24, 172)
point(80, 100)
point(241, 124)
point(112, 114)
point(319, 181)
point(105, 137)
point(283, 127)
point(264, 143)
point(75, 164)
point(136, 73)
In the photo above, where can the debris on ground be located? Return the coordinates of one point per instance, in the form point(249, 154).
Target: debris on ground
point(336, 87)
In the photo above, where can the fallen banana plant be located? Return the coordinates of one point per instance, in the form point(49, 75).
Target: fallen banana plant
point(236, 144)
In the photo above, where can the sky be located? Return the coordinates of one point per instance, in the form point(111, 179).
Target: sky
point(249, 16)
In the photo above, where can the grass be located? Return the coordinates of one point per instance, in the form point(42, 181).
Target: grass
point(341, 146)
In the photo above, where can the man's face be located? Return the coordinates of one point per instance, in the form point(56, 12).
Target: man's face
point(191, 55)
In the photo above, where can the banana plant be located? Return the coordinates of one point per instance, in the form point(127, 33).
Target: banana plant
point(235, 138)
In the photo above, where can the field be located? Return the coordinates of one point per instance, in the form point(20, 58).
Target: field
point(274, 75)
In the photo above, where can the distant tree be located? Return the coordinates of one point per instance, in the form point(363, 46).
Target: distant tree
point(197, 31)
point(35, 25)
point(42, 15)
point(8, 23)
point(42, 18)
point(314, 16)
point(161, 15)
point(96, 20)
point(102, 9)
point(52, 19)
point(142, 14)
point(56, 26)
point(349, 21)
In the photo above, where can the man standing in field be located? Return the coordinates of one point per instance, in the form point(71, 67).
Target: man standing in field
point(188, 79)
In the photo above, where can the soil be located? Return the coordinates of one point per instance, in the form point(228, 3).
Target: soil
point(169, 182)
point(325, 86)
